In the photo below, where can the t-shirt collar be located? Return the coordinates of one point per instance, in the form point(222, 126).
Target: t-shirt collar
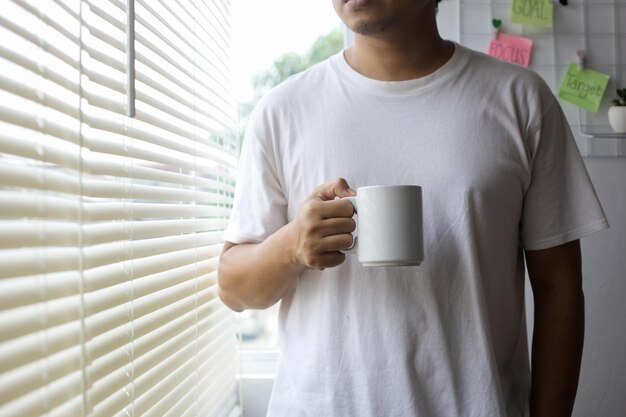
point(443, 73)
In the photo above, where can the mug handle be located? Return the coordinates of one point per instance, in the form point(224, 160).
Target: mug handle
point(352, 249)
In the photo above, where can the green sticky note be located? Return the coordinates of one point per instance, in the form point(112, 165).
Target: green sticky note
point(583, 88)
point(532, 12)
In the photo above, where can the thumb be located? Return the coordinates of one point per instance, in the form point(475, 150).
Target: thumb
point(332, 189)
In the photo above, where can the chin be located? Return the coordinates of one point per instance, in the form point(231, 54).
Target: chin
point(364, 26)
point(368, 27)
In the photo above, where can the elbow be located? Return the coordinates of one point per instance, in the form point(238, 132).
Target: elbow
point(225, 290)
point(233, 299)
point(228, 301)
point(236, 292)
point(238, 287)
point(238, 300)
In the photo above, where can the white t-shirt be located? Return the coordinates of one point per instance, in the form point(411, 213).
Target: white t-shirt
point(500, 173)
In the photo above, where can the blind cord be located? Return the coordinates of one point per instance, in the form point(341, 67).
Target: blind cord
point(130, 58)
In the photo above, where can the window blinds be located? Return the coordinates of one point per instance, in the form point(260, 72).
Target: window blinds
point(110, 226)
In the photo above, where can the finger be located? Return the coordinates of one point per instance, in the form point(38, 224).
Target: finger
point(334, 243)
point(332, 189)
point(336, 208)
point(330, 260)
point(337, 226)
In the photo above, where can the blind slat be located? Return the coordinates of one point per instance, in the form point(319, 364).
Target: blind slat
point(170, 100)
point(108, 391)
point(206, 29)
point(175, 402)
point(41, 178)
point(110, 253)
point(17, 234)
point(117, 211)
point(154, 392)
point(22, 32)
point(209, 113)
point(29, 93)
point(171, 136)
point(210, 61)
point(18, 292)
point(38, 123)
point(111, 404)
point(117, 294)
point(31, 261)
point(157, 50)
point(51, 21)
point(118, 316)
point(102, 368)
point(74, 407)
point(180, 348)
point(121, 167)
point(162, 320)
point(129, 190)
point(173, 159)
point(220, 398)
point(37, 206)
point(184, 83)
point(185, 19)
point(31, 64)
point(109, 232)
point(56, 393)
point(118, 358)
point(47, 179)
point(29, 348)
point(38, 150)
point(152, 383)
point(18, 322)
point(23, 380)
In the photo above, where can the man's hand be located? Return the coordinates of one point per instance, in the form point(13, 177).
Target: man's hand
point(257, 275)
point(323, 225)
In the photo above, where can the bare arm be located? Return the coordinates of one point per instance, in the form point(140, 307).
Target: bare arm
point(258, 275)
point(556, 279)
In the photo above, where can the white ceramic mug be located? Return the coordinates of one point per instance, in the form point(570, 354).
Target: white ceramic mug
point(389, 223)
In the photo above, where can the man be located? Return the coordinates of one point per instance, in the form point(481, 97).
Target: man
point(502, 181)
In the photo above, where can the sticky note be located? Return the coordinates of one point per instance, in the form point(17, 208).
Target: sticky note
point(511, 48)
point(532, 12)
point(583, 88)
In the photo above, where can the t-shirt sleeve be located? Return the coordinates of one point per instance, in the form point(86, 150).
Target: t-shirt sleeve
point(560, 204)
point(260, 205)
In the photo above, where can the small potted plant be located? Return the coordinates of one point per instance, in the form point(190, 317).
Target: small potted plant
point(617, 112)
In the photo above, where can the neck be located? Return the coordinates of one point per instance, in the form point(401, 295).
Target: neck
point(400, 55)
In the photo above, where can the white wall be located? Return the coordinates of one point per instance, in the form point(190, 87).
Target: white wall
point(602, 389)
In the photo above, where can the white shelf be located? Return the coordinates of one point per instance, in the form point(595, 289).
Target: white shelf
point(600, 141)
point(601, 134)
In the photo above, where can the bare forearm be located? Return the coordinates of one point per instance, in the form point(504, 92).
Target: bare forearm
point(557, 350)
point(258, 275)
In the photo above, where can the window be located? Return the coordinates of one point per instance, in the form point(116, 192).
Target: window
point(110, 225)
point(267, 48)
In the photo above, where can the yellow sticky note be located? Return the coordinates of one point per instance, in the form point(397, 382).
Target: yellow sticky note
point(583, 88)
point(532, 12)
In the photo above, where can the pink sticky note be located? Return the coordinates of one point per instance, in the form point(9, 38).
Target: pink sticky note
point(511, 48)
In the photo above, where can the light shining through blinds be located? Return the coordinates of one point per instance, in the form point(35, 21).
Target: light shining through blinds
point(110, 226)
